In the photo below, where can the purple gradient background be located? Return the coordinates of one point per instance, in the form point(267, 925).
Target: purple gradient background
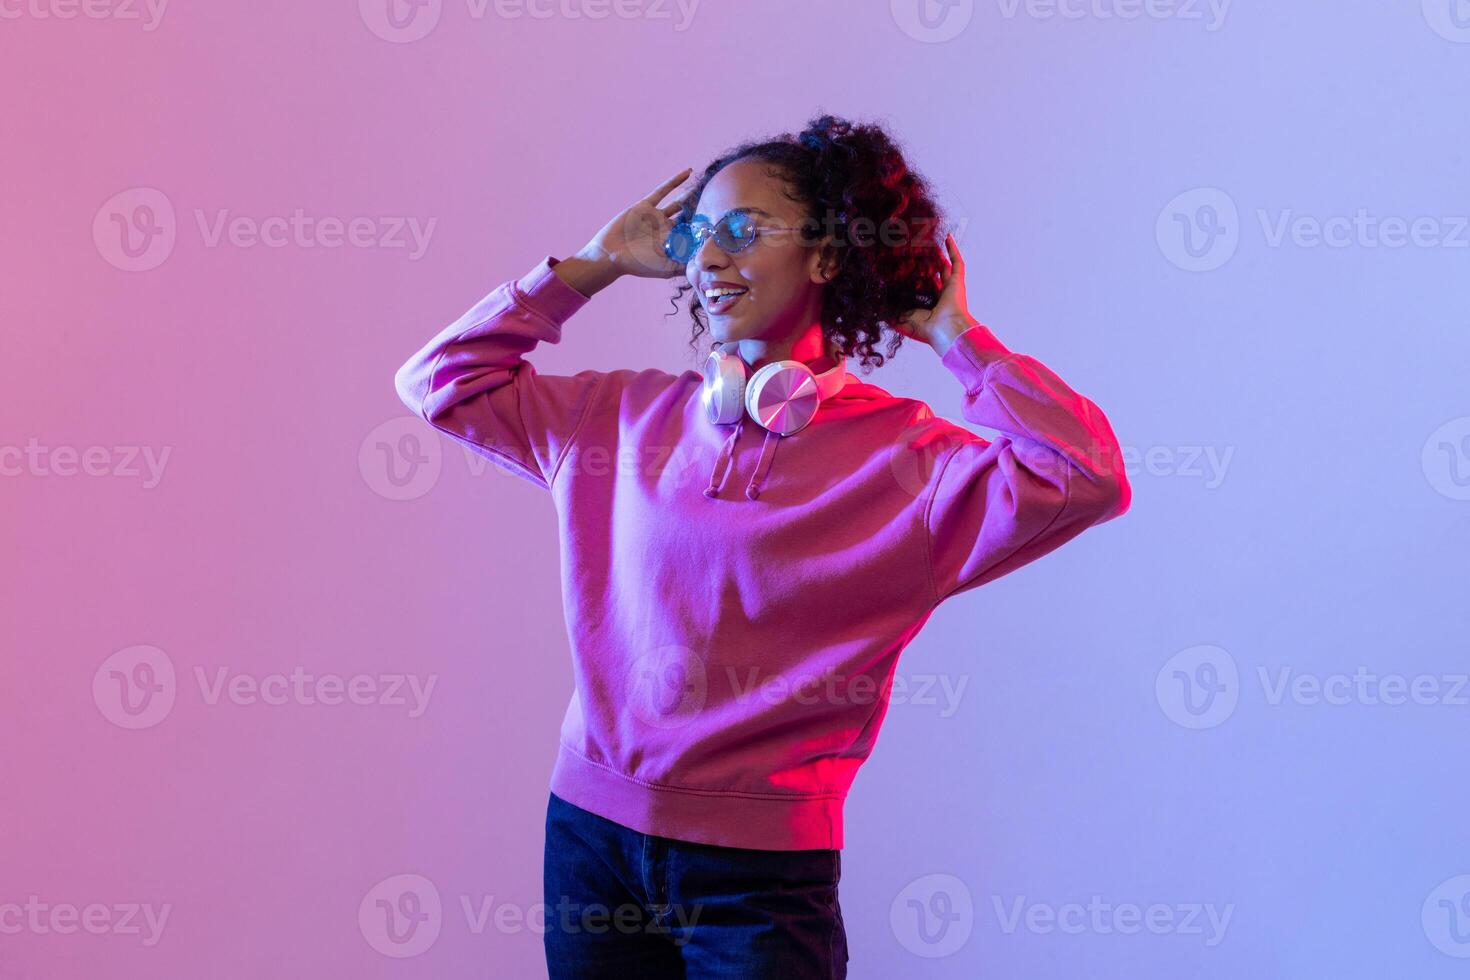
point(1331, 541)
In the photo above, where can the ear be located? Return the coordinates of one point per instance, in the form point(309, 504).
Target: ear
point(824, 263)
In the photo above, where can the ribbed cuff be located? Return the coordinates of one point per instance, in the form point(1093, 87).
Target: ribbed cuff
point(971, 355)
point(543, 291)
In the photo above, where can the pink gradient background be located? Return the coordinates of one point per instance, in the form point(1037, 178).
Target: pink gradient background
point(271, 541)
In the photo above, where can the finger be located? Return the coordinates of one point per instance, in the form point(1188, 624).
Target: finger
point(672, 209)
point(954, 251)
point(668, 185)
point(944, 257)
point(945, 269)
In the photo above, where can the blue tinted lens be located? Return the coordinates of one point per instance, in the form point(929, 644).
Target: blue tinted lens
point(680, 245)
point(735, 231)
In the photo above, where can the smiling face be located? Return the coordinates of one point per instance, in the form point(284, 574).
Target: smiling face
point(781, 276)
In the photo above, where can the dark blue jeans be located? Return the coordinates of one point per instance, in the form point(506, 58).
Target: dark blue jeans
point(623, 904)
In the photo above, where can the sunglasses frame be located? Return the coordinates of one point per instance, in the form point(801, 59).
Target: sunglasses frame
point(703, 230)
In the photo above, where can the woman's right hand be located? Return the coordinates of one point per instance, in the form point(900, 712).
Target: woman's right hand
point(632, 244)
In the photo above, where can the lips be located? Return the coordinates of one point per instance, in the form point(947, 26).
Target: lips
point(722, 304)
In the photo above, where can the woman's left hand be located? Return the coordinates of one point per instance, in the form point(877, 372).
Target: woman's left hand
point(950, 317)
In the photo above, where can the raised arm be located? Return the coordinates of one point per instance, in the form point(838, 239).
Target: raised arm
point(472, 381)
point(1054, 471)
point(991, 506)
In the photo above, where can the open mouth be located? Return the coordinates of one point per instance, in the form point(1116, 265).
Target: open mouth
point(720, 304)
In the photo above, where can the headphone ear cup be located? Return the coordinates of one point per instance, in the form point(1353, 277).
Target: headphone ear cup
point(725, 385)
point(782, 396)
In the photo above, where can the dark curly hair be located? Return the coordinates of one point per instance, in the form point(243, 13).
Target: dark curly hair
point(856, 186)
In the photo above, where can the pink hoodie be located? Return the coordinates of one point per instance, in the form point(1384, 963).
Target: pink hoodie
point(733, 651)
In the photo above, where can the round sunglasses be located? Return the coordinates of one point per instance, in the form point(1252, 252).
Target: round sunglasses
point(734, 232)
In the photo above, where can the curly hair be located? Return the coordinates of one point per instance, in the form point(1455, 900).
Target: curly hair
point(855, 177)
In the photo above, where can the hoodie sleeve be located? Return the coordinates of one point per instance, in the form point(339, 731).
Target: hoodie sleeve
point(1055, 470)
point(472, 383)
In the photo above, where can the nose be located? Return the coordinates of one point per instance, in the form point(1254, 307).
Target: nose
point(709, 255)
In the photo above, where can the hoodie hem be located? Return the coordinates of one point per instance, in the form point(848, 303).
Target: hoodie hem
point(770, 823)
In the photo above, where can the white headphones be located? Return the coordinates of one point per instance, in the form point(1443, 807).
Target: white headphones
point(782, 397)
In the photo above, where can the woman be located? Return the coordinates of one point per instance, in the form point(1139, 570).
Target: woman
point(735, 621)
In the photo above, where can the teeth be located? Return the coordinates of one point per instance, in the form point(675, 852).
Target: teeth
point(722, 291)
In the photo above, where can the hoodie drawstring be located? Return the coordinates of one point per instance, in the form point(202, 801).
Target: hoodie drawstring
point(762, 465)
point(724, 462)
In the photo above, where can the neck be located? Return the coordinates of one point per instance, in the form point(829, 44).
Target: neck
point(810, 348)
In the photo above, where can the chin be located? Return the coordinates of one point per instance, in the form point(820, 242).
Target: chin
point(722, 329)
